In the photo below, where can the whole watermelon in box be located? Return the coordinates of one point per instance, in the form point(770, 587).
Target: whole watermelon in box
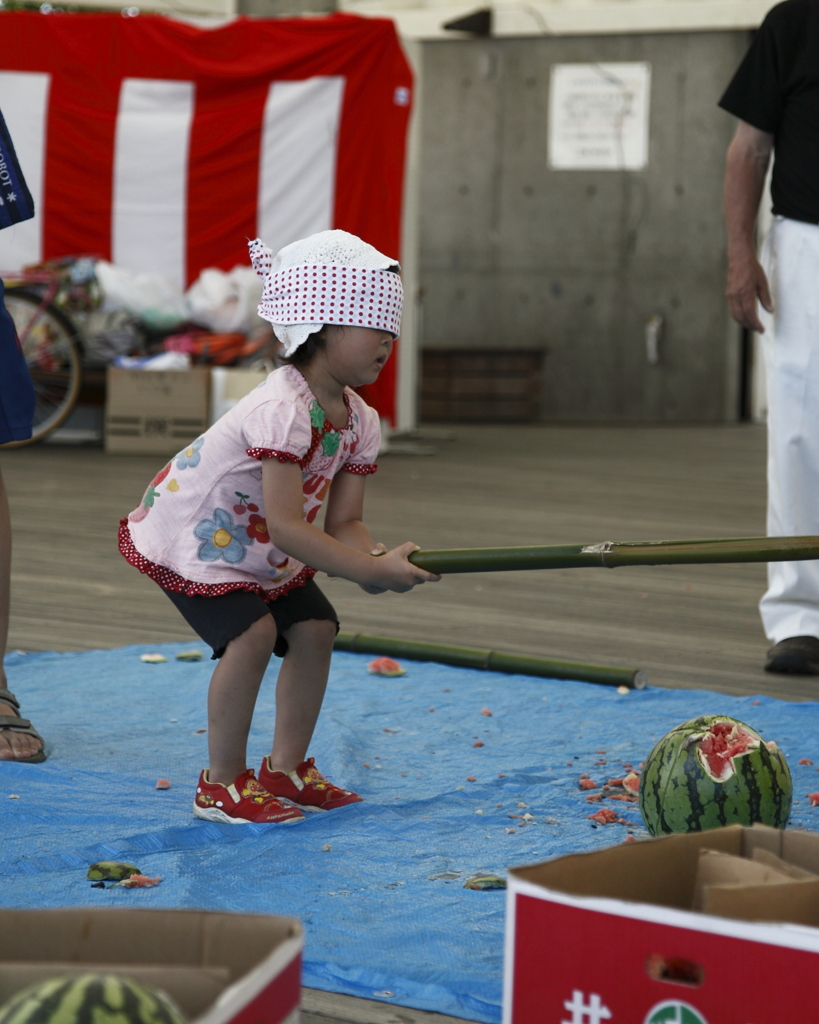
point(89, 999)
point(714, 771)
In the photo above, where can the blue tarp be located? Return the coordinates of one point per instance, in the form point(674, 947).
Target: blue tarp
point(379, 923)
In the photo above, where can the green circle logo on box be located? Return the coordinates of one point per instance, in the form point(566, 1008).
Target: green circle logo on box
point(673, 1012)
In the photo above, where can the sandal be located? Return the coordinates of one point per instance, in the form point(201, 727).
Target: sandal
point(16, 724)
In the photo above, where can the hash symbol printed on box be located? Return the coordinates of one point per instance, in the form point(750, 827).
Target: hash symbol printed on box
point(593, 1012)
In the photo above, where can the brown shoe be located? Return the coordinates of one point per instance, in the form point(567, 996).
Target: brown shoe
point(798, 655)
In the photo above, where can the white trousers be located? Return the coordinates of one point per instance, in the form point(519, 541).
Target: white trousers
point(790, 607)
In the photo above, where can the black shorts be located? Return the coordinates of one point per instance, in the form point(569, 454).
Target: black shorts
point(218, 620)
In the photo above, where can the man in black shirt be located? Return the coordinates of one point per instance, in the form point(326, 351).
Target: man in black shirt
point(775, 94)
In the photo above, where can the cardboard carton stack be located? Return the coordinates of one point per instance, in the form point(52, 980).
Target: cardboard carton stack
point(159, 412)
point(155, 412)
point(719, 926)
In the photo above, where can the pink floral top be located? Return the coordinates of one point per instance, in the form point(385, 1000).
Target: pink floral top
point(200, 527)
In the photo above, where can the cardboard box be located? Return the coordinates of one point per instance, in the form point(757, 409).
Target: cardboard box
point(229, 384)
point(155, 412)
point(612, 936)
point(219, 968)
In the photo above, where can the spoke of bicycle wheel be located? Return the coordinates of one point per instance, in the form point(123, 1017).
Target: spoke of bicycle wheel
point(47, 339)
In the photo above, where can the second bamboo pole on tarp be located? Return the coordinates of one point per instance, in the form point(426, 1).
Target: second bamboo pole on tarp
point(495, 661)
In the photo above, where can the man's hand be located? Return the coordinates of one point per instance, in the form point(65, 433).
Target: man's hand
point(745, 168)
point(747, 285)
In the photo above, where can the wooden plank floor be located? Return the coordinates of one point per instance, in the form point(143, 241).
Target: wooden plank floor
point(687, 626)
point(331, 1008)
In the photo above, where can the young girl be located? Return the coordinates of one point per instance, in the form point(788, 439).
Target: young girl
point(226, 528)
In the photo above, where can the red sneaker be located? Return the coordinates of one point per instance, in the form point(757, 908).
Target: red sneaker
point(305, 787)
point(243, 801)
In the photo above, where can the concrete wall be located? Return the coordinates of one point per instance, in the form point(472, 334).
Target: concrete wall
point(284, 8)
point(514, 254)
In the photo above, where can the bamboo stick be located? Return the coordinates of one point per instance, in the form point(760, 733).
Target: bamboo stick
point(494, 661)
point(611, 554)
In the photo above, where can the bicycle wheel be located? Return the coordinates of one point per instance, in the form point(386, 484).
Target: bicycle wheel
point(48, 339)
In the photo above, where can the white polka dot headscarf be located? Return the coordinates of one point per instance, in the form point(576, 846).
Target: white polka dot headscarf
point(329, 278)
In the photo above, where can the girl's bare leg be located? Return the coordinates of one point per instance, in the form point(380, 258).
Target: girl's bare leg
point(300, 690)
point(234, 687)
point(13, 745)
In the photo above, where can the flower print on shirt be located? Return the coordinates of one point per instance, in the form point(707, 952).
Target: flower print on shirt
point(280, 570)
point(330, 442)
point(257, 529)
point(317, 416)
point(150, 496)
point(221, 538)
point(189, 457)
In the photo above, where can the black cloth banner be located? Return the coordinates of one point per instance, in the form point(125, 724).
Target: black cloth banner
point(16, 203)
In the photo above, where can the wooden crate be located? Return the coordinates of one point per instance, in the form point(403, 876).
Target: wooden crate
point(481, 385)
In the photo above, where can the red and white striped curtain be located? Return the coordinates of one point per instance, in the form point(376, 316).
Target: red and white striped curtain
point(164, 147)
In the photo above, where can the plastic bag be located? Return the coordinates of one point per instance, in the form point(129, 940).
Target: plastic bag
point(163, 361)
point(108, 334)
point(216, 349)
point(157, 302)
point(226, 302)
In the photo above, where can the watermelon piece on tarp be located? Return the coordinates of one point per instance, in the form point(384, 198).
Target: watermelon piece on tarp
point(386, 667)
point(711, 772)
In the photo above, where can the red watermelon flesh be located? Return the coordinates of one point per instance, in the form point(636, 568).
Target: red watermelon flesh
point(720, 745)
point(385, 667)
point(631, 783)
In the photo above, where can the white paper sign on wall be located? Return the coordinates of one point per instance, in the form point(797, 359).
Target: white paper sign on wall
point(598, 116)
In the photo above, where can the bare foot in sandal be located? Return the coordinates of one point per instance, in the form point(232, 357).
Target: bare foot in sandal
point(19, 740)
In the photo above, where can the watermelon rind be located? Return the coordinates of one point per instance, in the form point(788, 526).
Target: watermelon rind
point(90, 999)
point(678, 795)
point(111, 871)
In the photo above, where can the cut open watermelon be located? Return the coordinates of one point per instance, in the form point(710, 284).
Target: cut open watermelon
point(711, 772)
point(720, 745)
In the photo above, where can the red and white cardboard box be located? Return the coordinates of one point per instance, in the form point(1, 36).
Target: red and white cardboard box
point(609, 936)
point(219, 968)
